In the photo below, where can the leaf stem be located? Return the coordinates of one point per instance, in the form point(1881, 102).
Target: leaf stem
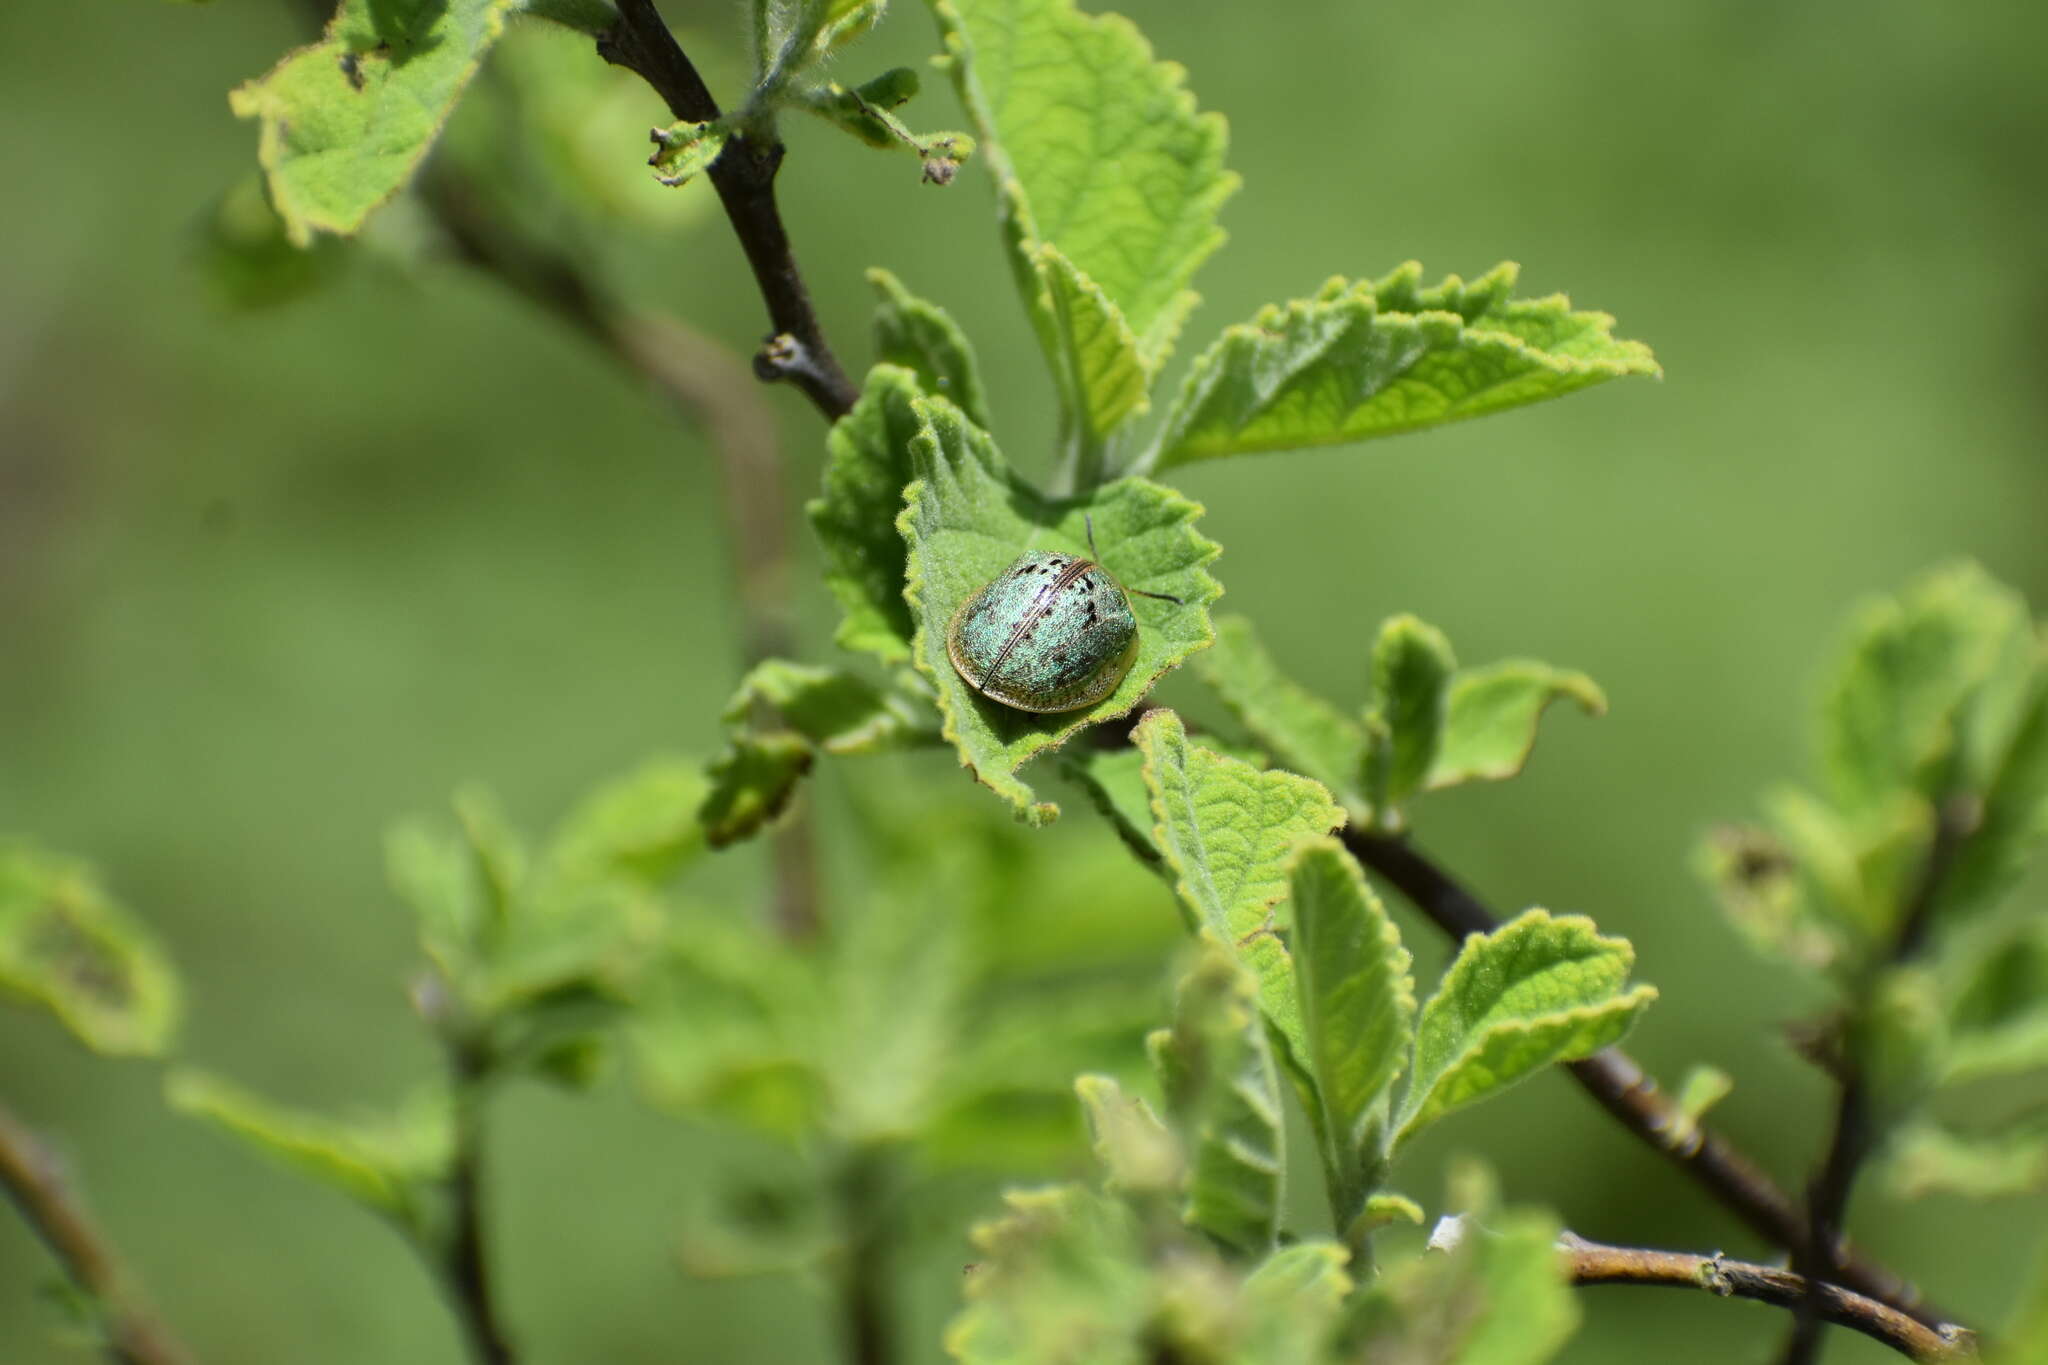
point(744, 176)
point(862, 1188)
point(464, 1261)
point(33, 1177)
point(1622, 1088)
point(1855, 1135)
point(1590, 1263)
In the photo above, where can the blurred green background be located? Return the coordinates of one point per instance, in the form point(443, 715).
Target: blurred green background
point(268, 580)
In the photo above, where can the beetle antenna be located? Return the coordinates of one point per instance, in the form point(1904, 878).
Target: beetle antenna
point(1162, 596)
point(1088, 520)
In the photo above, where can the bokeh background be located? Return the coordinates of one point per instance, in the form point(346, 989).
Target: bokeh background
point(268, 580)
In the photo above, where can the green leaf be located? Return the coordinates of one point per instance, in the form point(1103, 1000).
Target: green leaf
point(686, 149)
point(839, 712)
point(1101, 375)
point(1537, 990)
point(1702, 1089)
point(67, 946)
point(249, 262)
point(642, 826)
point(1924, 1158)
point(1358, 1015)
point(751, 784)
point(388, 1164)
point(1136, 1151)
point(866, 467)
point(923, 338)
point(1059, 1277)
point(1411, 673)
point(1291, 1302)
point(1115, 782)
point(865, 114)
point(1762, 891)
point(1215, 1069)
point(1363, 360)
point(346, 121)
point(967, 519)
point(1900, 718)
point(1096, 149)
point(1998, 1022)
point(1304, 733)
point(1491, 716)
point(1496, 1296)
point(2014, 818)
point(1226, 830)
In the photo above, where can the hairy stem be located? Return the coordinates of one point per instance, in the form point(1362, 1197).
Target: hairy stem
point(1594, 1263)
point(1855, 1133)
point(33, 1177)
point(1632, 1097)
point(744, 176)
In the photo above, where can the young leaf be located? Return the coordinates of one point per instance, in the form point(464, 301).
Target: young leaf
point(642, 826)
point(67, 946)
point(751, 783)
point(390, 1165)
point(1226, 830)
point(1291, 1303)
point(1305, 733)
point(1411, 673)
point(1363, 360)
point(1137, 1153)
point(1491, 716)
point(1537, 990)
point(1096, 149)
point(967, 518)
point(2014, 819)
point(1358, 1015)
point(867, 464)
point(1900, 717)
point(345, 121)
point(686, 149)
point(1061, 1272)
point(1100, 372)
point(1223, 1095)
point(1998, 1023)
point(1496, 1296)
point(1702, 1088)
point(839, 712)
point(1924, 1158)
point(923, 338)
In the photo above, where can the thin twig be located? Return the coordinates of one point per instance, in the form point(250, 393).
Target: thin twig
point(866, 1320)
point(744, 176)
point(465, 1264)
point(33, 1177)
point(708, 386)
point(1595, 1263)
point(1632, 1097)
point(1855, 1134)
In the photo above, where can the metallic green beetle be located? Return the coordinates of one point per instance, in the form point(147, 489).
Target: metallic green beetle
point(1053, 632)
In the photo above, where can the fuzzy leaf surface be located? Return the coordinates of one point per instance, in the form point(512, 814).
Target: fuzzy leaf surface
point(967, 518)
point(1372, 359)
point(1537, 990)
point(67, 946)
point(1304, 733)
point(1226, 830)
point(916, 335)
point(1411, 673)
point(1060, 1276)
point(840, 712)
point(1358, 1012)
point(1491, 716)
point(1216, 1071)
point(1102, 375)
point(867, 465)
point(1097, 149)
point(1497, 1297)
point(752, 782)
point(344, 122)
point(643, 826)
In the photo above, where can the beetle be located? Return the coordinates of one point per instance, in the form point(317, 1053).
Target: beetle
point(1053, 632)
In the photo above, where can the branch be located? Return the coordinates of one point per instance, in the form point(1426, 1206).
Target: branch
point(1594, 1263)
point(1632, 1097)
point(464, 1266)
point(33, 1177)
point(1855, 1132)
point(744, 176)
point(708, 386)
